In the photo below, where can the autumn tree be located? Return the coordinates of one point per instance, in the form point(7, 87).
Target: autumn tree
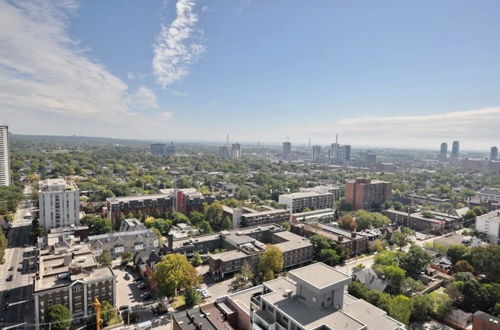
point(174, 273)
point(271, 262)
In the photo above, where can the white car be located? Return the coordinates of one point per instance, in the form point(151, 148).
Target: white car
point(205, 293)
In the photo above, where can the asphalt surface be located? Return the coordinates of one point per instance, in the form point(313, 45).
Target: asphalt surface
point(15, 295)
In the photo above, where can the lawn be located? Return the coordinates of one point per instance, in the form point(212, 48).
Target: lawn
point(179, 301)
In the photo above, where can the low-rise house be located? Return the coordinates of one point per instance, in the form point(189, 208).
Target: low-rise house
point(132, 237)
point(458, 319)
point(145, 262)
point(369, 278)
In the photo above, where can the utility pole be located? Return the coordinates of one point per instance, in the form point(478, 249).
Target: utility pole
point(97, 306)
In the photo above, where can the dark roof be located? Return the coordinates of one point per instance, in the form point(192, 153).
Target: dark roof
point(193, 319)
point(369, 278)
point(487, 317)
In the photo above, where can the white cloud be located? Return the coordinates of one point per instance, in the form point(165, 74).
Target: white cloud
point(46, 74)
point(144, 98)
point(177, 46)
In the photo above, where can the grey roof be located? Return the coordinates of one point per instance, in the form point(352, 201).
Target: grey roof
point(124, 234)
point(369, 278)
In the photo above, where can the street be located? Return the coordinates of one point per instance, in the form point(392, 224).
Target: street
point(17, 293)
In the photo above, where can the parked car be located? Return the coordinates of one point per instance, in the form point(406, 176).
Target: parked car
point(10, 277)
point(124, 307)
point(11, 268)
point(147, 297)
point(205, 293)
point(127, 277)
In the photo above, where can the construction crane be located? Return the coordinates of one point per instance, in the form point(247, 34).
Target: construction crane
point(97, 306)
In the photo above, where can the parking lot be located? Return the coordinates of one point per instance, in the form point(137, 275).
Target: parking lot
point(127, 292)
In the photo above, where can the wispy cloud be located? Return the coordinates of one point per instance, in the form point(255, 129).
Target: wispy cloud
point(178, 45)
point(46, 74)
point(478, 128)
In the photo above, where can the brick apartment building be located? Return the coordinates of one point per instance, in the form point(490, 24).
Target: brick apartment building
point(367, 194)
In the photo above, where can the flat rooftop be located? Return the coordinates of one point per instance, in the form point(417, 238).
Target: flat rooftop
point(265, 213)
point(229, 255)
point(243, 298)
point(53, 281)
point(136, 198)
point(307, 194)
point(293, 241)
point(319, 275)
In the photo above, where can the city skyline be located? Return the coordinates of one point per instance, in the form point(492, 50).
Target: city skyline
point(174, 71)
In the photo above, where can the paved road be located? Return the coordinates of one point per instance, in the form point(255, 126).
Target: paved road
point(17, 293)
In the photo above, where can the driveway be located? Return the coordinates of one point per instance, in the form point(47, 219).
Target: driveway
point(127, 292)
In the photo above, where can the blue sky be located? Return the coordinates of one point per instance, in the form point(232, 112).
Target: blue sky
point(379, 73)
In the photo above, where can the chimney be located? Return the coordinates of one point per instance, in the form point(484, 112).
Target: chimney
point(67, 259)
point(353, 234)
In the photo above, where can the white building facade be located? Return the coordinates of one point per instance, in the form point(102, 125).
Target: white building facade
point(4, 156)
point(489, 224)
point(59, 203)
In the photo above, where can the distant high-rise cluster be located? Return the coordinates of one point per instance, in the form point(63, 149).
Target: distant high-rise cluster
point(287, 150)
point(162, 149)
point(339, 155)
point(4, 156)
point(455, 152)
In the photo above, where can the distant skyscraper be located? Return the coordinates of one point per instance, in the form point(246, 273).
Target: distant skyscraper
point(4, 156)
point(347, 152)
point(224, 151)
point(370, 158)
point(316, 153)
point(162, 149)
point(444, 151)
point(455, 151)
point(236, 151)
point(493, 153)
point(287, 150)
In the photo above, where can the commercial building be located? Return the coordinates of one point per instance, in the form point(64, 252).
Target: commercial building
point(4, 156)
point(455, 151)
point(313, 297)
point(236, 151)
point(489, 224)
point(162, 149)
point(247, 246)
point(287, 150)
point(493, 153)
point(244, 246)
point(69, 275)
point(353, 243)
point(224, 151)
point(316, 153)
point(59, 204)
point(158, 205)
point(339, 155)
point(246, 217)
point(367, 194)
point(443, 155)
point(425, 222)
point(370, 158)
point(133, 237)
point(323, 215)
point(313, 199)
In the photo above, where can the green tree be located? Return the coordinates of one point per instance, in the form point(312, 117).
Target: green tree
point(320, 242)
point(394, 275)
point(414, 261)
point(399, 239)
point(197, 261)
point(105, 259)
point(174, 273)
point(400, 308)
point(243, 193)
point(97, 225)
point(421, 308)
point(378, 245)
point(470, 215)
point(463, 266)
point(456, 252)
point(58, 317)
point(108, 312)
point(205, 228)
point(227, 224)
point(192, 297)
point(486, 260)
point(127, 257)
point(271, 262)
point(329, 257)
point(388, 258)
